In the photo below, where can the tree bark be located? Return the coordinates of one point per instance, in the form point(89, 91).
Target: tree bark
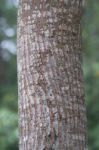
point(52, 114)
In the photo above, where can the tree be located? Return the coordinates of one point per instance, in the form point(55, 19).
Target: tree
point(50, 79)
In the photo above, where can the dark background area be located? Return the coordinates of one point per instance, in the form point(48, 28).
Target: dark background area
point(8, 73)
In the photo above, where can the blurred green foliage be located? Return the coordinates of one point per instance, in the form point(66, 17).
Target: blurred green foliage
point(8, 76)
point(90, 34)
point(8, 73)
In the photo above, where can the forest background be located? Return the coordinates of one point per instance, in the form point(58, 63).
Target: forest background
point(8, 73)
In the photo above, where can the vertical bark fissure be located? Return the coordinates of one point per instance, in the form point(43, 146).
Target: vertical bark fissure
point(56, 86)
point(51, 98)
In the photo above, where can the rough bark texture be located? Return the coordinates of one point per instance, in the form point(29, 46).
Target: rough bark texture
point(51, 95)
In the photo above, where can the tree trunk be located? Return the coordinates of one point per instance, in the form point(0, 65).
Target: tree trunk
point(50, 81)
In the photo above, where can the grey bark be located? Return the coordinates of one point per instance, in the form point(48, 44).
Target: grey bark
point(52, 114)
